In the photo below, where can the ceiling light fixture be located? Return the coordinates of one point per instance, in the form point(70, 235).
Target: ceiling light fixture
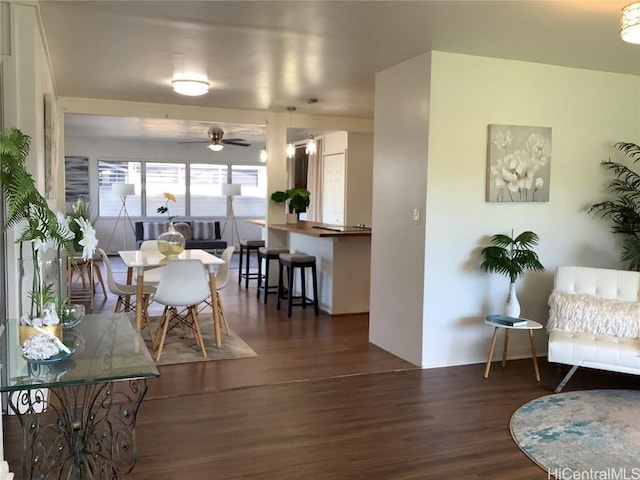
point(216, 147)
point(190, 84)
point(630, 23)
point(291, 149)
point(311, 146)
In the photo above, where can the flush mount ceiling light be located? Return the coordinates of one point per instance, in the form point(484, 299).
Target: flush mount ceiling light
point(630, 23)
point(311, 146)
point(190, 84)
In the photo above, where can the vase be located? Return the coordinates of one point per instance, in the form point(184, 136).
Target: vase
point(291, 218)
point(171, 243)
point(512, 306)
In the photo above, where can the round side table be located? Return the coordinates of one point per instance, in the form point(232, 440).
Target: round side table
point(530, 326)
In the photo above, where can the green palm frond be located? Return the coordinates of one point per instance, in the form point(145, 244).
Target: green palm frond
point(511, 256)
point(624, 211)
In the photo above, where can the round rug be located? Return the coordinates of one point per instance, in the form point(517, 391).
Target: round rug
point(588, 434)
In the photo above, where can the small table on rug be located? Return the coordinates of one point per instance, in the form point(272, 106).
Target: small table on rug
point(139, 261)
point(78, 413)
point(530, 326)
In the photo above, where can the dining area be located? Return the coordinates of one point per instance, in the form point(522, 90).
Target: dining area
point(184, 285)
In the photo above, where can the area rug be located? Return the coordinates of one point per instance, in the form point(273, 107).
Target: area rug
point(588, 434)
point(178, 349)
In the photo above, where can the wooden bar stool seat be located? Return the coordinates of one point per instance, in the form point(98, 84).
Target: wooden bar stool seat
point(267, 254)
point(300, 262)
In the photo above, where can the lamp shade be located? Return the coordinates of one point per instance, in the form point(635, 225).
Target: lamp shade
point(230, 189)
point(311, 146)
point(630, 23)
point(216, 147)
point(123, 189)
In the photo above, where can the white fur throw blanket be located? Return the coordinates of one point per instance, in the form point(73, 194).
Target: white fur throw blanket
point(577, 312)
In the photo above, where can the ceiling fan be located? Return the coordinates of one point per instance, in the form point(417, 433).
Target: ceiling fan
point(217, 143)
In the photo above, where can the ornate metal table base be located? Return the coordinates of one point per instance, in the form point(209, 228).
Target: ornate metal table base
point(92, 435)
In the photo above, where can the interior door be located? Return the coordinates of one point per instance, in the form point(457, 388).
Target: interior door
point(333, 189)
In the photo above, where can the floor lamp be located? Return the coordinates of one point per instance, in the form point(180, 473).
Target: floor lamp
point(122, 190)
point(230, 190)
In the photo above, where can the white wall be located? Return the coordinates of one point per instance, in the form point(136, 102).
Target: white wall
point(399, 186)
point(588, 112)
point(359, 178)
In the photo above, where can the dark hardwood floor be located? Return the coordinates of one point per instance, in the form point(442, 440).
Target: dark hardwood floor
point(320, 402)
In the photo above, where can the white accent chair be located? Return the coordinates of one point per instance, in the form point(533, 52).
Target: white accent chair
point(594, 323)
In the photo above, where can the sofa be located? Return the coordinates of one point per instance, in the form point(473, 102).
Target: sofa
point(594, 320)
point(200, 234)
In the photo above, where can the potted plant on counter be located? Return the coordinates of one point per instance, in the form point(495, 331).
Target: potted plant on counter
point(296, 199)
point(512, 257)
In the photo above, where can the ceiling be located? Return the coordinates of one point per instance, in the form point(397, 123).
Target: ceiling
point(267, 55)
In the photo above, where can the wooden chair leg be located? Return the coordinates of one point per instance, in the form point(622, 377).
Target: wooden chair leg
point(145, 313)
point(196, 326)
point(222, 314)
point(165, 326)
point(119, 304)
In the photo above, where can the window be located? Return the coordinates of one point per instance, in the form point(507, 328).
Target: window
point(161, 178)
point(196, 186)
point(253, 181)
point(111, 173)
point(204, 187)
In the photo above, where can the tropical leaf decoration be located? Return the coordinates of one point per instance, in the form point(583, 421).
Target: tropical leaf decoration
point(26, 204)
point(511, 256)
point(297, 199)
point(624, 211)
point(24, 201)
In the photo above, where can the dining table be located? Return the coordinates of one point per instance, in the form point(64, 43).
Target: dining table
point(138, 261)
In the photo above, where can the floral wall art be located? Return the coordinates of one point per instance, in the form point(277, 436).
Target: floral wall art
point(519, 163)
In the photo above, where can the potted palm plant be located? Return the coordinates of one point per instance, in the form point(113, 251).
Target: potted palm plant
point(512, 257)
point(296, 199)
point(42, 227)
point(624, 211)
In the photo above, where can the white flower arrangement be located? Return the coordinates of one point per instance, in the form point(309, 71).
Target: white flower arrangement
point(516, 174)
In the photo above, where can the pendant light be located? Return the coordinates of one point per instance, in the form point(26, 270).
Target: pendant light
point(291, 149)
point(311, 146)
point(263, 155)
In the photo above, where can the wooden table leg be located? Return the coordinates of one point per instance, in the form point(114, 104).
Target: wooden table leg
point(139, 297)
point(214, 306)
point(504, 348)
point(493, 346)
point(535, 357)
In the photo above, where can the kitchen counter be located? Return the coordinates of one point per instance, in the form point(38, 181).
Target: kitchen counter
point(343, 260)
point(316, 229)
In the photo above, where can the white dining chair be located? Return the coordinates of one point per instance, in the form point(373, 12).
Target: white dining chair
point(151, 275)
point(127, 293)
point(183, 283)
point(222, 278)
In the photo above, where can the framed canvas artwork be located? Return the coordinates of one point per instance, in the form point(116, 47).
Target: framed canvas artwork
point(519, 163)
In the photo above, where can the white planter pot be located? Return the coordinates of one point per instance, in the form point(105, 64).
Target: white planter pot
point(292, 217)
point(512, 306)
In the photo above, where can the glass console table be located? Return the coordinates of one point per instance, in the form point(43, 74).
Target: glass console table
point(78, 415)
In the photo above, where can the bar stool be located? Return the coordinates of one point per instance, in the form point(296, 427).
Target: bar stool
point(299, 261)
point(267, 254)
point(247, 246)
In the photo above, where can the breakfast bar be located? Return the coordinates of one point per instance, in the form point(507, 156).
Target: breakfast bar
point(343, 259)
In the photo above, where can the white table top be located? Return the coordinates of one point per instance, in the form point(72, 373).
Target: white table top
point(531, 325)
point(137, 258)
